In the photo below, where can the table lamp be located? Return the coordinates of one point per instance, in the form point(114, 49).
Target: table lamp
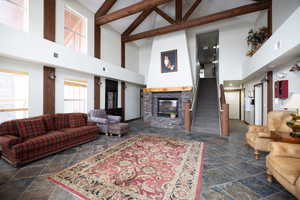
point(294, 103)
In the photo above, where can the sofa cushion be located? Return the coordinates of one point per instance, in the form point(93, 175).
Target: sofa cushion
point(76, 132)
point(76, 120)
point(49, 122)
point(49, 139)
point(289, 168)
point(61, 121)
point(29, 128)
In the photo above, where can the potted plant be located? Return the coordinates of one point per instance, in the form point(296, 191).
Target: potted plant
point(256, 39)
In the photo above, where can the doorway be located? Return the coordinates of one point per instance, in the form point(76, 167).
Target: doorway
point(233, 98)
point(111, 94)
point(258, 104)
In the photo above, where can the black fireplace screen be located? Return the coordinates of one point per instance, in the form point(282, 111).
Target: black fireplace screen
point(168, 107)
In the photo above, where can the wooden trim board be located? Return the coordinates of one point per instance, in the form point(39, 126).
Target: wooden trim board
point(169, 89)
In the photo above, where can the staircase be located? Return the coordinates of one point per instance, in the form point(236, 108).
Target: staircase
point(207, 112)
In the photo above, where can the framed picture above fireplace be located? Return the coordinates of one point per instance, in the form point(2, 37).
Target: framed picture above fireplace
point(168, 61)
point(167, 107)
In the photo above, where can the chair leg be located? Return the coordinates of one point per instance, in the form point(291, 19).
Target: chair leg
point(269, 178)
point(256, 153)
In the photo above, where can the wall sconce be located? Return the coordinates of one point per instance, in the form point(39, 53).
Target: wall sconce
point(265, 79)
point(281, 75)
point(99, 83)
point(52, 76)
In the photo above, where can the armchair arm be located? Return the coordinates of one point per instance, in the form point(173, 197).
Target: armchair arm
point(255, 128)
point(114, 119)
point(264, 134)
point(98, 120)
point(8, 141)
point(285, 149)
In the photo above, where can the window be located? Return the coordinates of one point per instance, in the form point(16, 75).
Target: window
point(75, 31)
point(14, 13)
point(75, 96)
point(14, 88)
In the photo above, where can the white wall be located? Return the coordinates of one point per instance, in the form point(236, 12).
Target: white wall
point(24, 46)
point(262, 20)
point(132, 101)
point(183, 77)
point(232, 51)
point(110, 45)
point(35, 72)
point(283, 45)
point(132, 57)
point(239, 27)
point(282, 10)
point(144, 59)
point(36, 18)
point(249, 88)
point(89, 15)
point(292, 77)
point(111, 49)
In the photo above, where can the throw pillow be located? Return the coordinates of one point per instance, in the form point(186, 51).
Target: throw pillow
point(61, 121)
point(76, 120)
point(49, 122)
point(29, 128)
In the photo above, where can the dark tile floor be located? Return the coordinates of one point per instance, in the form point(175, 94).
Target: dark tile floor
point(230, 170)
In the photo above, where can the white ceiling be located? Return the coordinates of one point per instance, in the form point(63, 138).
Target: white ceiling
point(206, 7)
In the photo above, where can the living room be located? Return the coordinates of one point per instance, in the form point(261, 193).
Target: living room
point(160, 99)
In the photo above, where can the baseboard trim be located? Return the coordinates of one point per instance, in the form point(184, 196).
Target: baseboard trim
point(131, 120)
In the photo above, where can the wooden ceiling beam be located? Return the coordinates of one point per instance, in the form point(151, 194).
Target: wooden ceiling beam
point(191, 10)
point(130, 10)
point(178, 11)
point(106, 6)
point(164, 15)
point(137, 21)
point(201, 21)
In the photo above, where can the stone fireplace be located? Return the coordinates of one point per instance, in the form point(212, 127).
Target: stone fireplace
point(164, 107)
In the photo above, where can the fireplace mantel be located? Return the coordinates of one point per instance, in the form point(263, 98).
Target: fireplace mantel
point(169, 89)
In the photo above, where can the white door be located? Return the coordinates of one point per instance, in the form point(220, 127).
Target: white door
point(233, 99)
point(258, 120)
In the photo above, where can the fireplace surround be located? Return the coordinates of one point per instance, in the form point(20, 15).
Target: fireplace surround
point(172, 102)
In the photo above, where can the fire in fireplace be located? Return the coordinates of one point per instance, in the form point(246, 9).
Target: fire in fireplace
point(168, 107)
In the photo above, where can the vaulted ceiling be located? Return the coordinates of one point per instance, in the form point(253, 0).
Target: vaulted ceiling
point(205, 8)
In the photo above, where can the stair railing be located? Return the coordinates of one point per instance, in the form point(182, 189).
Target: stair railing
point(224, 110)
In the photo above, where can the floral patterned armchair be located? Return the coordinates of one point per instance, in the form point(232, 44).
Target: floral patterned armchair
point(102, 119)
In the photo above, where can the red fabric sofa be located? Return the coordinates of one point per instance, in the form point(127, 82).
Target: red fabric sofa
point(25, 140)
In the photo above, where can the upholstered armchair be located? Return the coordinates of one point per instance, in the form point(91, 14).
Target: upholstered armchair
point(259, 137)
point(283, 163)
point(102, 119)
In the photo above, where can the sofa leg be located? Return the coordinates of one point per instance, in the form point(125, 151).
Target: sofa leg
point(256, 153)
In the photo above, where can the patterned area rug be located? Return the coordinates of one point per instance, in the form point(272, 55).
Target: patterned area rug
point(145, 167)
